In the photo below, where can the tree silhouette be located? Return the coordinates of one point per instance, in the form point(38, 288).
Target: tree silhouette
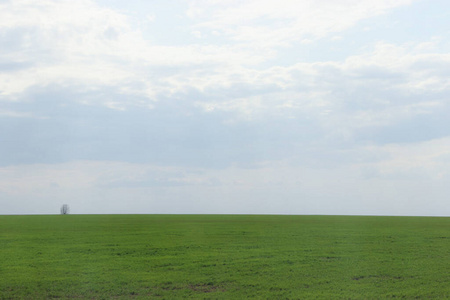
point(65, 209)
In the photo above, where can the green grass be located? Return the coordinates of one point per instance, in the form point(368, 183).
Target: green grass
point(223, 256)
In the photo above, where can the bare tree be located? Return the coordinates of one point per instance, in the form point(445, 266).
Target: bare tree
point(65, 209)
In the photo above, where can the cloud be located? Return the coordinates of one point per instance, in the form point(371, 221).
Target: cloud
point(281, 23)
point(57, 128)
point(81, 43)
point(236, 116)
point(85, 44)
point(97, 49)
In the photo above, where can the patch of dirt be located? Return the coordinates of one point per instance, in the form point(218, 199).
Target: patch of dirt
point(205, 288)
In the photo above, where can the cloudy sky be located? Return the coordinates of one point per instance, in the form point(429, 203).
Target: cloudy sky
point(225, 106)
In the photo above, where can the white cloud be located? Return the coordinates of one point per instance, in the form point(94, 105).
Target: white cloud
point(95, 48)
point(280, 23)
point(80, 43)
point(378, 88)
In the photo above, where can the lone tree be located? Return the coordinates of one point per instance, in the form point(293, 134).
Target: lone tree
point(65, 209)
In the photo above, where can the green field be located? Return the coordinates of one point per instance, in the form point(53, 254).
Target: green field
point(223, 256)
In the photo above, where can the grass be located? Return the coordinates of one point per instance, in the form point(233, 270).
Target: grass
point(223, 256)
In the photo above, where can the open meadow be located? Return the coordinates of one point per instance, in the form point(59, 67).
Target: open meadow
point(223, 256)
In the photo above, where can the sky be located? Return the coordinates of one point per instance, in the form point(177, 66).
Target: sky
point(225, 107)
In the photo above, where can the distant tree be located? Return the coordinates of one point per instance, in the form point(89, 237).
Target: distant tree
point(65, 209)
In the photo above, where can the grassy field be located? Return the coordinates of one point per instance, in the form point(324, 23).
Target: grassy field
point(223, 256)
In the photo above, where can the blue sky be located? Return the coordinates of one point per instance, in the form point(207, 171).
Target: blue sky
point(208, 106)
